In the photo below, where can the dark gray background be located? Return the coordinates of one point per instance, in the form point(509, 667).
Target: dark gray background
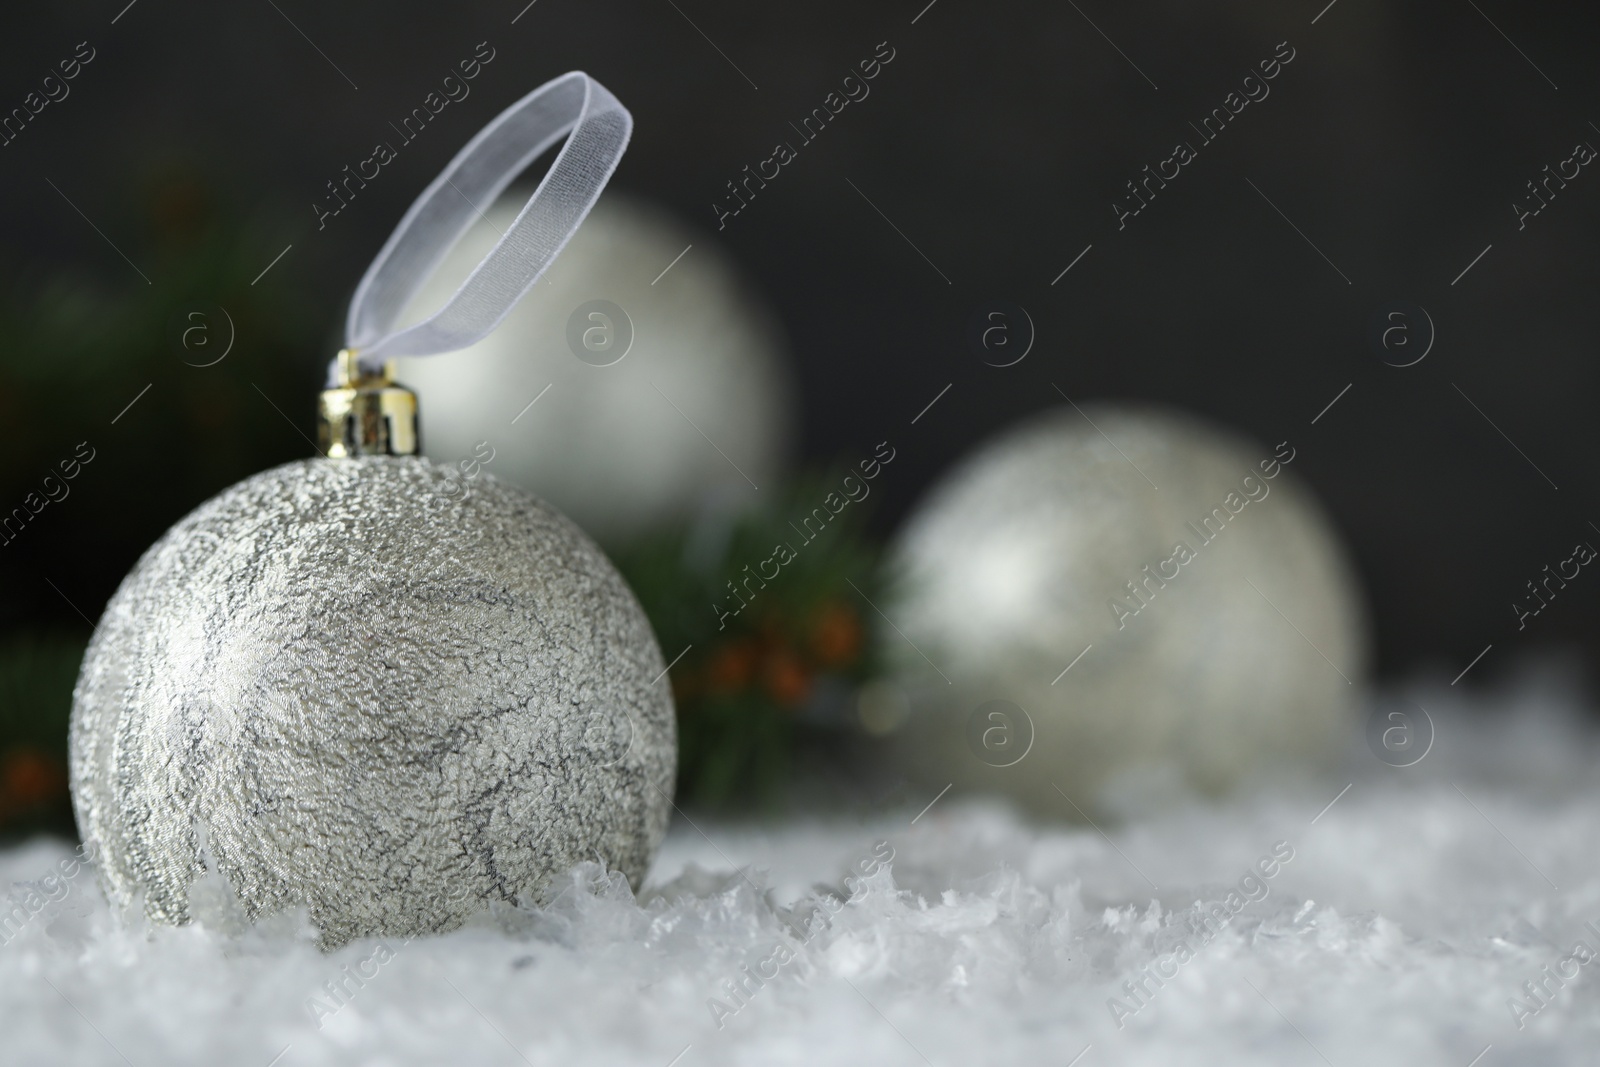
point(996, 140)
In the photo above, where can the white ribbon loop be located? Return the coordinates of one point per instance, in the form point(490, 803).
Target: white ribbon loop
point(597, 128)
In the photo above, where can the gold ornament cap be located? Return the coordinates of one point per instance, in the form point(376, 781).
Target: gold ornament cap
point(366, 414)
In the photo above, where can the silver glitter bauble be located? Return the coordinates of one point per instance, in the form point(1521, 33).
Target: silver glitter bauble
point(1122, 601)
point(379, 688)
point(622, 440)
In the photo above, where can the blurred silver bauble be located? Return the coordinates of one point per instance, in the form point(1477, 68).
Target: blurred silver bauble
point(379, 688)
point(648, 413)
point(1227, 632)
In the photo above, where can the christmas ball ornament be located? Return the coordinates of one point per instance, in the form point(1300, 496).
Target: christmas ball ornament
point(382, 698)
point(389, 691)
point(661, 363)
point(1102, 606)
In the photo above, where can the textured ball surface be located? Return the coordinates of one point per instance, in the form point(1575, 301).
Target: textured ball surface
point(1239, 652)
point(376, 689)
point(619, 448)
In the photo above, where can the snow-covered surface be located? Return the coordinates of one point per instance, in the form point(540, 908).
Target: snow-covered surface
point(1401, 931)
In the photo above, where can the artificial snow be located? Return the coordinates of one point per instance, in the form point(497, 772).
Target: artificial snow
point(1430, 915)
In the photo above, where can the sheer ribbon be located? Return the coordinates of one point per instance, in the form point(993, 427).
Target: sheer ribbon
point(597, 128)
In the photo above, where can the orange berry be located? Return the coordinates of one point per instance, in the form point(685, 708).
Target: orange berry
point(787, 681)
point(29, 778)
point(836, 637)
point(731, 667)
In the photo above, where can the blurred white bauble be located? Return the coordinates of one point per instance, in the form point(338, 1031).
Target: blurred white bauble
point(1243, 652)
point(700, 402)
